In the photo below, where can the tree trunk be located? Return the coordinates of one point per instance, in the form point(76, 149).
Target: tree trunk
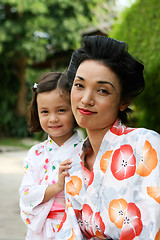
point(20, 64)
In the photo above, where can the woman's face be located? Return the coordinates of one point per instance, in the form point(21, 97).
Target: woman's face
point(95, 96)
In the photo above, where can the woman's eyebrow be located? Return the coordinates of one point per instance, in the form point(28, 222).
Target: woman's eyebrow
point(99, 82)
point(105, 82)
point(81, 78)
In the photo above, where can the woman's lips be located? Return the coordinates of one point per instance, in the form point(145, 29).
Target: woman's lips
point(85, 111)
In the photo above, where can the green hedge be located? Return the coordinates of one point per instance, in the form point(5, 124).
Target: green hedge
point(139, 26)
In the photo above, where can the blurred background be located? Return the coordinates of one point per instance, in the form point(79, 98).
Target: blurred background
point(37, 36)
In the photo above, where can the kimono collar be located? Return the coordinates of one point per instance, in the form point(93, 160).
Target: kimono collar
point(53, 146)
point(116, 129)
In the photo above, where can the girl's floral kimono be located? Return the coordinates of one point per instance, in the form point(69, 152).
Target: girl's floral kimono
point(120, 197)
point(41, 169)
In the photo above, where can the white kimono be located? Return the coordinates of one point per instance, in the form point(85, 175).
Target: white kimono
point(41, 169)
point(120, 198)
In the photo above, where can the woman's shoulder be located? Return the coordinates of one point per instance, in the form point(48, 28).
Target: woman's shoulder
point(147, 133)
point(121, 130)
point(148, 139)
point(134, 136)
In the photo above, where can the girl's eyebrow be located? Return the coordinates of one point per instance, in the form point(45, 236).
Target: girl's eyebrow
point(43, 107)
point(99, 82)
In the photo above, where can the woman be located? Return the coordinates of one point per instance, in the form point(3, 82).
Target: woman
point(114, 188)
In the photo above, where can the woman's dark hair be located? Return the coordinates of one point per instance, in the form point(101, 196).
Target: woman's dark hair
point(113, 54)
point(48, 82)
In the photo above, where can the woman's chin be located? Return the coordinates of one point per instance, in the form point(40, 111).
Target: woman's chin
point(83, 124)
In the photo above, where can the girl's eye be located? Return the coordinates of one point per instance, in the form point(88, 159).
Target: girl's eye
point(44, 112)
point(61, 110)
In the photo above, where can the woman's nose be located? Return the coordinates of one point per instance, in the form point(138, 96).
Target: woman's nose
point(87, 99)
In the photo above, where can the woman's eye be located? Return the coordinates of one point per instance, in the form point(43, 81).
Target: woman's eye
point(103, 91)
point(78, 85)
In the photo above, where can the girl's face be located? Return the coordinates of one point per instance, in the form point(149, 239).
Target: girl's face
point(55, 115)
point(96, 96)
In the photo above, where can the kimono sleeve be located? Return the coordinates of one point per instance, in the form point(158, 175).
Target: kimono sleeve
point(149, 171)
point(31, 192)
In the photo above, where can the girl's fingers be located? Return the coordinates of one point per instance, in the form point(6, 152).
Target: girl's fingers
point(65, 162)
point(64, 168)
point(65, 174)
point(65, 165)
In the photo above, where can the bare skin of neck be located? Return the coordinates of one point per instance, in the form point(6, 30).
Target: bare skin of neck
point(95, 138)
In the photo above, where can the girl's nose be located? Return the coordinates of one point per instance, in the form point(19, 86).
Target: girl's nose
point(88, 99)
point(53, 118)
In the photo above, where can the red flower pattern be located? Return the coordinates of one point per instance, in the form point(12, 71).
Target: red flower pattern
point(99, 224)
point(63, 220)
point(120, 129)
point(132, 225)
point(123, 164)
point(89, 176)
point(87, 215)
point(84, 218)
point(127, 217)
point(80, 223)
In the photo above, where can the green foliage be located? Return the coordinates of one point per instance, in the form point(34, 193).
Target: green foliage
point(10, 124)
point(31, 31)
point(139, 27)
point(15, 142)
point(37, 27)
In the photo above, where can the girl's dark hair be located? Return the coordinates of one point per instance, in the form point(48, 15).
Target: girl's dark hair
point(113, 54)
point(48, 82)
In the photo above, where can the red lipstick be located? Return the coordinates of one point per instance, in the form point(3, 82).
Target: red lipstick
point(85, 111)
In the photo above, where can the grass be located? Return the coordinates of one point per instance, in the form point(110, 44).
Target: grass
point(15, 142)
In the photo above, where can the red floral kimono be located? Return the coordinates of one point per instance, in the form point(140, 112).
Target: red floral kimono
point(120, 197)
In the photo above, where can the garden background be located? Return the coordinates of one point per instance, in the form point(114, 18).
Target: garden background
point(37, 36)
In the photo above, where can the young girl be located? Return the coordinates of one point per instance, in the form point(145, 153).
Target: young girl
point(42, 201)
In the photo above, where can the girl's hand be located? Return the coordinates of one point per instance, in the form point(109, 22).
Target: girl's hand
point(63, 172)
point(55, 188)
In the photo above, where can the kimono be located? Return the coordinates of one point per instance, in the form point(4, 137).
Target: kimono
point(41, 169)
point(120, 197)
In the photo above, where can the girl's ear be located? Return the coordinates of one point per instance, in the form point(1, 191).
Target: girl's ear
point(124, 104)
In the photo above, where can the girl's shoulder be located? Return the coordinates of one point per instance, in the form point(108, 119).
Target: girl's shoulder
point(37, 149)
point(76, 138)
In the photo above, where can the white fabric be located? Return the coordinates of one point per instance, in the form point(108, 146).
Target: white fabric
point(120, 198)
point(41, 169)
